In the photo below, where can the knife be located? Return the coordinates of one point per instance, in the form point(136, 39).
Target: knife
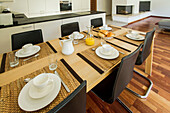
point(65, 86)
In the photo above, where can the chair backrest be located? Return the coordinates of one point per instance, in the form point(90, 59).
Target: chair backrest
point(146, 49)
point(20, 39)
point(125, 73)
point(74, 103)
point(67, 29)
point(97, 22)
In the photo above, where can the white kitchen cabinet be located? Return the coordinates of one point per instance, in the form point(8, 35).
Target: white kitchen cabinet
point(70, 20)
point(84, 22)
point(6, 0)
point(85, 5)
point(52, 6)
point(5, 36)
point(36, 6)
point(76, 5)
point(51, 29)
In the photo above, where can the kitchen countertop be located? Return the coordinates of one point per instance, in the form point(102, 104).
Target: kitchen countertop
point(21, 19)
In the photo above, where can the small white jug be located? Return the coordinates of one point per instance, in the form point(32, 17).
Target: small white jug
point(67, 47)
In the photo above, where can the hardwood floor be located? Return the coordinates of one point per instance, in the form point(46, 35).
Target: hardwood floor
point(158, 100)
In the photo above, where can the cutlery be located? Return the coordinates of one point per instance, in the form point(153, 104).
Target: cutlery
point(93, 49)
point(31, 57)
point(65, 86)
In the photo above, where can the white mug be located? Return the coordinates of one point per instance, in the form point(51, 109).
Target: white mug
point(41, 81)
point(75, 34)
point(106, 48)
point(105, 26)
point(134, 33)
point(27, 47)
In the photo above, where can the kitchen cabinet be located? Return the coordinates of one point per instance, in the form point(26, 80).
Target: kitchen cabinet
point(84, 22)
point(51, 29)
point(76, 5)
point(85, 5)
point(70, 20)
point(5, 36)
point(36, 6)
point(52, 6)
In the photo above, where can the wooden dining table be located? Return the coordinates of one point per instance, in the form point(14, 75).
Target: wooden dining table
point(82, 64)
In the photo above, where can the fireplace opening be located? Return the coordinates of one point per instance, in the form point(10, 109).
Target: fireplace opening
point(144, 6)
point(124, 10)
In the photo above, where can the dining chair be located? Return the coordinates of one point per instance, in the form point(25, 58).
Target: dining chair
point(74, 103)
point(110, 88)
point(146, 50)
point(20, 39)
point(97, 22)
point(67, 29)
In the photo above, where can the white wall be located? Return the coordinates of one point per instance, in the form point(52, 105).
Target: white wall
point(104, 5)
point(161, 8)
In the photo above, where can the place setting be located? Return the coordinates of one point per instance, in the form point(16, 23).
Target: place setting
point(76, 36)
point(134, 35)
point(105, 27)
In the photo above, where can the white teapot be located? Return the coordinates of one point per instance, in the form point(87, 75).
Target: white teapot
point(67, 46)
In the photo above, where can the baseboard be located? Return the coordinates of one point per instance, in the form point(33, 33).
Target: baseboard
point(138, 20)
point(160, 17)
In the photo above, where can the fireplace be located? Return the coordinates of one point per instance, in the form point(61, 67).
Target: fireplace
point(124, 10)
point(144, 6)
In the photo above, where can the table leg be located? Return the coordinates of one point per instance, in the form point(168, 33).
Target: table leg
point(148, 65)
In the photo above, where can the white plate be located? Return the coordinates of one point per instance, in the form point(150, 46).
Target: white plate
point(114, 54)
point(27, 103)
point(21, 54)
point(36, 94)
point(80, 36)
point(108, 28)
point(139, 37)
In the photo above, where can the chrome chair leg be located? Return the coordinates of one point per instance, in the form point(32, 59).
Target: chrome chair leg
point(147, 92)
point(127, 108)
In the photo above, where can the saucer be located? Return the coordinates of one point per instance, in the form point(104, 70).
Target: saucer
point(27, 103)
point(114, 54)
point(36, 93)
point(80, 36)
point(108, 28)
point(106, 53)
point(139, 37)
point(21, 53)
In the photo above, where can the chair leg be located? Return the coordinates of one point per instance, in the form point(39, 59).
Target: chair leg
point(124, 105)
point(147, 92)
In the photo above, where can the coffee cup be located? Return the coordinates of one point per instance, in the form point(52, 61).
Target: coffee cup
point(105, 27)
point(75, 34)
point(41, 81)
point(27, 47)
point(134, 34)
point(106, 48)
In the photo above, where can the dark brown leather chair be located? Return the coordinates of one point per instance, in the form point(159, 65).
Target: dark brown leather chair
point(67, 29)
point(110, 88)
point(74, 103)
point(146, 50)
point(20, 39)
point(97, 22)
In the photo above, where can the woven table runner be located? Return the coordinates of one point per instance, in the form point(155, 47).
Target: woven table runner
point(44, 52)
point(9, 93)
point(102, 64)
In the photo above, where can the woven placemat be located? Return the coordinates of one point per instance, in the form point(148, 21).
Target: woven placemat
point(10, 92)
point(101, 63)
point(44, 52)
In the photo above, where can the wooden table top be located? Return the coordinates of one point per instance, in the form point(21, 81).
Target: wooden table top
point(80, 66)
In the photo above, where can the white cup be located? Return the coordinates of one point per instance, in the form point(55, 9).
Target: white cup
point(75, 34)
point(134, 34)
point(41, 81)
point(106, 48)
point(27, 47)
point(105, 27)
